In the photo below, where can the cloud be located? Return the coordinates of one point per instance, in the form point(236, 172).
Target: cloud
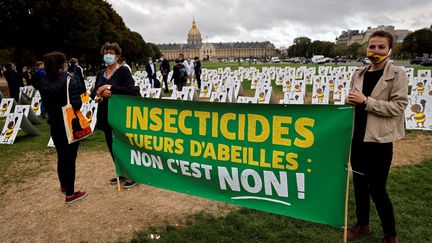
point(168, 21)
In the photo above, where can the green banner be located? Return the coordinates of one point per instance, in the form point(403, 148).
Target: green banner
point(285, 159)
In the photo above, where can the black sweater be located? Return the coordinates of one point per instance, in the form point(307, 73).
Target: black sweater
point(53, 93)
point(360, 119)
point(122, 83)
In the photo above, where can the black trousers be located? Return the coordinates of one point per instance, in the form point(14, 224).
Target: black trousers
point(373, 160)
point(66, 157)
point(179, 84)
point(165, 80)
point(198, 79)
point(109, 140)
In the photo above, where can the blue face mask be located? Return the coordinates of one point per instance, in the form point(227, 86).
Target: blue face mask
point(109, 59)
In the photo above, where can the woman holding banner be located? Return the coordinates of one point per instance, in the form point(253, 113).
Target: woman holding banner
point(379, 93)
point(53, 93)
point(114, 79)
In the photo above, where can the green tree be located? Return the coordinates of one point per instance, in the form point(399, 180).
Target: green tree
point(300, 47)
point(361, 51)
point(352, 50)
point(418, 43)
point(78, 28)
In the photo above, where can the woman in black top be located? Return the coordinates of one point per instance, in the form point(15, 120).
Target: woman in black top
point(379, 93)
point(53, 93)
point(114, 79)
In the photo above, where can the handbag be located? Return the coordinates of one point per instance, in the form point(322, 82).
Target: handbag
point(75, 123)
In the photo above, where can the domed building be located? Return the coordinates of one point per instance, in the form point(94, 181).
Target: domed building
point(194, 35)
point(216, 51)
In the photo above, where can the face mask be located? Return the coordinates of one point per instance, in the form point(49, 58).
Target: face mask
point(109, 59)
point(377, 58)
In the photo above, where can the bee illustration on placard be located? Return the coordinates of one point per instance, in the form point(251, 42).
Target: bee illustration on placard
point(205, 89)
point(153, 94)
point(297, 88)
point(261, 97)
point(4, 107)
point(332, 83)
point(420, 87)
point(36, 107)
point(10, 129)
point(320, 94)
point(288, 85)
point(281, 78)
point(419, 116)
point(339, 90)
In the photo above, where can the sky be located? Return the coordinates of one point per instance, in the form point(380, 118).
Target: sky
point(277, 21)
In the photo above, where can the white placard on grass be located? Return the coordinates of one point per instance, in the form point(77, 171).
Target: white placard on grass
point(6, 106)
point(418, 113)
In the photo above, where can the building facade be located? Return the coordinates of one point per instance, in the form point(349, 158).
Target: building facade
point(355, 36)
point(216, 51)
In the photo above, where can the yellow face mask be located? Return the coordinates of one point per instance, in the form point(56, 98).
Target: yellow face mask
point(377, 58)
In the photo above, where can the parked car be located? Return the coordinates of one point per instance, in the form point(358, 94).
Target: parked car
point(340, 59)
point(323, 60)
point(317, 58)
point(275, 60)
point(418, 60)
point(427, 62)
point(365, 61)
point(292, 60)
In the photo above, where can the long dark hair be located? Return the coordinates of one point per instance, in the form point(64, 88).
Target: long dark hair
point(53, 62)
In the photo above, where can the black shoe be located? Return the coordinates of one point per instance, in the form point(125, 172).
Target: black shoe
point(113, 181)
point(129, 184)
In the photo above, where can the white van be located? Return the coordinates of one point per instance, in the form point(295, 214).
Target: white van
point(315, 59)
point(275, 60)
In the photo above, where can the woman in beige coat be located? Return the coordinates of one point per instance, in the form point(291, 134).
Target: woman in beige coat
point(379, 93)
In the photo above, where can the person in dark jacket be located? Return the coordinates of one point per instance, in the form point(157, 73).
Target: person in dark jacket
point(165, 69)
point(197, 68)
point(40, 69)
point(151, 73)
point(53, 93)
point(13, 80)
point(40, 73)
point(114, 79)
point(176, 75)
point(27, 75)
point(76, 70)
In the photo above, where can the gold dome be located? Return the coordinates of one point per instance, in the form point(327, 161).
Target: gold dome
point(194, 30)
point(194, 35)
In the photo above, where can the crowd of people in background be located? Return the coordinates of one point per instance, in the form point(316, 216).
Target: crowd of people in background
point(49, 77)
point(19, 78)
